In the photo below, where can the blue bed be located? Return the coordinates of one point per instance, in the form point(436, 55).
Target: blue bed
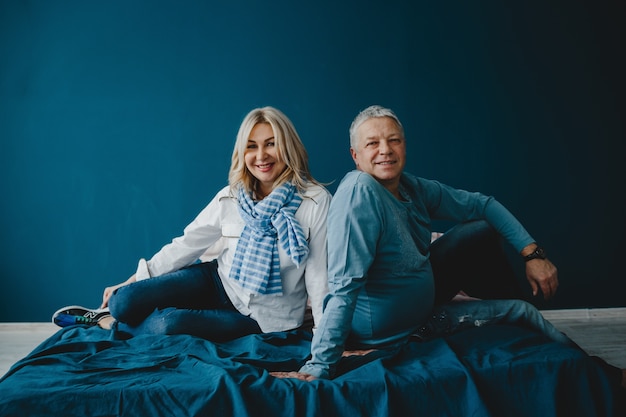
point(489, 371)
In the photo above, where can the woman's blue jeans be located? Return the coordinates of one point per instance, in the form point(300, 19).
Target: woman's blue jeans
point(191, 301)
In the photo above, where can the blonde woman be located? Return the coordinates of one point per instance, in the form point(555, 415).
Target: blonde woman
point(263, 239)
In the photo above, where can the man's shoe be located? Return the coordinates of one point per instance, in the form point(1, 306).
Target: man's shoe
point(71, 315)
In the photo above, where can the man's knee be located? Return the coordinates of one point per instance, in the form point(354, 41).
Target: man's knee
point(518, 310)
point(477, 230)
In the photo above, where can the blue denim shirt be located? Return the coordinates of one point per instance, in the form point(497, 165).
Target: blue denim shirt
point(381, 286)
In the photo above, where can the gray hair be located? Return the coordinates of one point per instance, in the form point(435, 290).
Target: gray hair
point(369, 113)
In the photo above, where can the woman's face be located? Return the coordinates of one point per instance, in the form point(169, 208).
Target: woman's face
point(262, 159)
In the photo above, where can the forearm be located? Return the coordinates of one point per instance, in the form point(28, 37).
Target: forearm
point(501, 219)
point(329, 339)
point(528, 249)
point(183, 250)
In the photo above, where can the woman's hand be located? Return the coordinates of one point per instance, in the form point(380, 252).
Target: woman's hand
point(108, 291)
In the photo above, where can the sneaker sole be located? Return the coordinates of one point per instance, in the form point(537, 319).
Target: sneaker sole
point(77, 307)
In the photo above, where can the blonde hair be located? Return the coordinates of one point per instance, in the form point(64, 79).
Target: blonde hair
point(289, 149)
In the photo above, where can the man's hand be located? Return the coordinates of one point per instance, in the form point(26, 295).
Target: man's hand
point(306, 377)
point(358, 352)
point(542, 274)
point(294, 375)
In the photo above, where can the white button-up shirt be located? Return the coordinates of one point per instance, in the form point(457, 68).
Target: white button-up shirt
point(214, 234)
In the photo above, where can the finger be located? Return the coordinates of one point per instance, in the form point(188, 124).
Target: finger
point(283, 374)
point(105, 298)
point(546, 288)
point(294, 375)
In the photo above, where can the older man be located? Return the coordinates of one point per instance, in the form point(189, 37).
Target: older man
point(381, 280)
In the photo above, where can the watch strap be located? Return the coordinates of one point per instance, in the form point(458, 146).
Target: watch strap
point(538, 253)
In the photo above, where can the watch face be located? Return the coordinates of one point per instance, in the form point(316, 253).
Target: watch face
point(538, 253)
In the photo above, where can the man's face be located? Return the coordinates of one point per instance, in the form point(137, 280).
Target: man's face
point(380, 151)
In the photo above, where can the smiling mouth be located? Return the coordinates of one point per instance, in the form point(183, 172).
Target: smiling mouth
point(264, 167)
point(385, 163)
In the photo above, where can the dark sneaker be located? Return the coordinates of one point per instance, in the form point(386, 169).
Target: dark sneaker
point(71, 315)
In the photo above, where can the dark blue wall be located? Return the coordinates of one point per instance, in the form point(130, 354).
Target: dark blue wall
point(117, 121)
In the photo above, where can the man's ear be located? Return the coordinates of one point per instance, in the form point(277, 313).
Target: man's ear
point(353, 153)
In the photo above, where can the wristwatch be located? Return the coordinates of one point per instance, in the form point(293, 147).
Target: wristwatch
point(538, 253)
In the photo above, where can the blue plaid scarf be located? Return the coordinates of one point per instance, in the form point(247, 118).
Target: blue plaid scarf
point(256, 264)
